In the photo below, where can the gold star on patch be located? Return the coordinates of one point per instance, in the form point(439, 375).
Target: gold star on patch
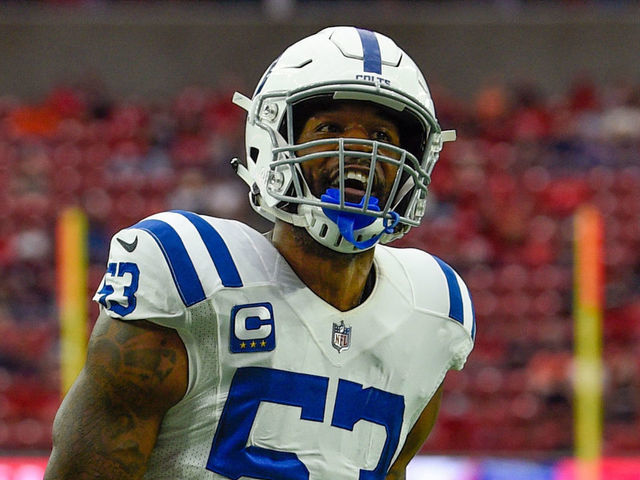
point(253, 344)
point(263, 343)
point(243, 345)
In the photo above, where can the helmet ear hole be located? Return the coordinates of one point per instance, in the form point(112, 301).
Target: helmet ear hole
point(253, 154)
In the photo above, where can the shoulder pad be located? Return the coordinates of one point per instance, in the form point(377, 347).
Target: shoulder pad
point(164, 264)
point(437, 288)
point(433, 285)
point(460, 305)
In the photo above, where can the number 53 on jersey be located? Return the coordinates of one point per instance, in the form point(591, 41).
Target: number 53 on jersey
point(231, 455)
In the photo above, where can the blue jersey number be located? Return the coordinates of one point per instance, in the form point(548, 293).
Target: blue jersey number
point(129, 291)
point(230, 456)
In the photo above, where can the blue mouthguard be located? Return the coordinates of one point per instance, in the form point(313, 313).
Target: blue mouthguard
point(348, 222)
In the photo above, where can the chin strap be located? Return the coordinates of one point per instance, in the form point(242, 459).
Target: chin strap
point(348, 222)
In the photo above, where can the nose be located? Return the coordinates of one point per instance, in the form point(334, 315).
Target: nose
point(359, 132)
point(355, 131)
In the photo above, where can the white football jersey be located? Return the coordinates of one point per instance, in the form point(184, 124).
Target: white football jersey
point(282, 385)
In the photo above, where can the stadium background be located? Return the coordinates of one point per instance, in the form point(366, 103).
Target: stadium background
point(123, 109)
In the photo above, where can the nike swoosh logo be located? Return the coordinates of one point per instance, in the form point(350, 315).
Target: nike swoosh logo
point(129, 247)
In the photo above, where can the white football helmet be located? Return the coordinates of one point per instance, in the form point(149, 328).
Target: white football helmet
point(341, 64)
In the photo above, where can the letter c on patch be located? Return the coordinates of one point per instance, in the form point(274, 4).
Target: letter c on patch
point(252, 323)
point(252, 328)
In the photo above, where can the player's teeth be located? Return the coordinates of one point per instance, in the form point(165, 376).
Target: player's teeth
point(358, 176)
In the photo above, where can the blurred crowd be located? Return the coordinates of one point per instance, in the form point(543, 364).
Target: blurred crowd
point(503, 199)
point(502, 202)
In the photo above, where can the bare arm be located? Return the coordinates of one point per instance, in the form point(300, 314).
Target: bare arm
point(108, 422)
point(416, 437)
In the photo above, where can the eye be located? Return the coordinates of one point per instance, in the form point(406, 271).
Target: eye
point(382, 136)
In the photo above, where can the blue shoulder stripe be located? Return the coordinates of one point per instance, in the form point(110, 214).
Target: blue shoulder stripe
point(182, 269)
point(456, 310)
point(370, 51)
point(180, 264)
point(217, 249)
point(473, 314)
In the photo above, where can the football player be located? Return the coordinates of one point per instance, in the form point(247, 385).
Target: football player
point(313, 352)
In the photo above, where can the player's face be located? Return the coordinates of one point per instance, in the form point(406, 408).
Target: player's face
point(349, 120)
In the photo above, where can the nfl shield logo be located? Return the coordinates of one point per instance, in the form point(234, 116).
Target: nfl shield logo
point(341, 339)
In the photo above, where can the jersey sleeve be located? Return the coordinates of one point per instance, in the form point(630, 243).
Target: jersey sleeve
point(163, 265)
point(437, 288)
point(138, 284)
point(458, 306)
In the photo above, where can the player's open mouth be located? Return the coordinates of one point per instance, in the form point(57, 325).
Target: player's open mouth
point(355, 183)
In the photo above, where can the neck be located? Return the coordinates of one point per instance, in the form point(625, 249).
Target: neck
point(338, 278)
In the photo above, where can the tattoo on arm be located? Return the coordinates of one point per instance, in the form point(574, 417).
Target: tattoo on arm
point(107, 425)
